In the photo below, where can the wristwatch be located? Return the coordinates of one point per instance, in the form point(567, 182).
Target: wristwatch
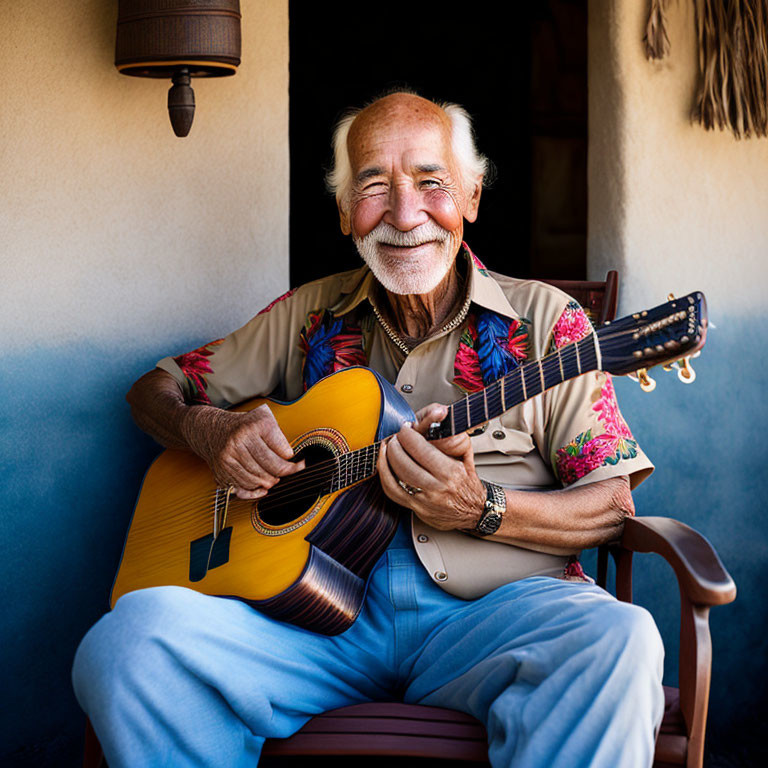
point(493, 512)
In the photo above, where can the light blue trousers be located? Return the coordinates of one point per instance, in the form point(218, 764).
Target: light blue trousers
point(561, 673)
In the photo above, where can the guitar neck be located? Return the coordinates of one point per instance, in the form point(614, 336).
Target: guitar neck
point(521, 384)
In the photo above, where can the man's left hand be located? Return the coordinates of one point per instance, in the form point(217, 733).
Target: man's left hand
point(446, 492)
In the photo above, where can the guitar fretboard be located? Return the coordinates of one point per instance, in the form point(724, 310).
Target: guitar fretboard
point(354, 466)
point(521, 384)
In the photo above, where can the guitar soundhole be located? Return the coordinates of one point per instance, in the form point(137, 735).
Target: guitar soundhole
point(296, 494)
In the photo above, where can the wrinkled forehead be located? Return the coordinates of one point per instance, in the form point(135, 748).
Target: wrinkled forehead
point(398, 124)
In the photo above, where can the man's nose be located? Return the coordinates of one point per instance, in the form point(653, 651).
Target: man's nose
point(405, 208)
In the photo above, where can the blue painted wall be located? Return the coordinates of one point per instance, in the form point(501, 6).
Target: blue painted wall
point(705, 439)
point(71, 462)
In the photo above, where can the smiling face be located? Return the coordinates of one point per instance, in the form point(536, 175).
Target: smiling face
point(407, 205)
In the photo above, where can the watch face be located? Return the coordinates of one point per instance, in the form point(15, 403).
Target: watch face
point(490, 522)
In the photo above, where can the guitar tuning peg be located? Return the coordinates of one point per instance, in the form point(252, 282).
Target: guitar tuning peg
point(668, 367)
point(670, 297)
point(685, 372)
point(647, 384)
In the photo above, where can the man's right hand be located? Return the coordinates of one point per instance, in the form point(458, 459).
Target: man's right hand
point(245, 450)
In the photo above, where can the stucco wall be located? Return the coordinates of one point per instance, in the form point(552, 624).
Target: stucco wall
point(679, 205)
point(676, 208)
point(119, 244)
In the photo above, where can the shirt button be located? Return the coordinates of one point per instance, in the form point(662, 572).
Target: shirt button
point(422, 538)
point(441, 575)
point(407, 388)
point(499, 435)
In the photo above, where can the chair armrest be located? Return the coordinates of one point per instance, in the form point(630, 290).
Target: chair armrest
point(700, 572)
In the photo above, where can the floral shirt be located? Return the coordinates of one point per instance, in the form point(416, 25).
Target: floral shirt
point(569, 435)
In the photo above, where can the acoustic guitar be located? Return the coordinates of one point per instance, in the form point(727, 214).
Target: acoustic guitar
point(303, 552)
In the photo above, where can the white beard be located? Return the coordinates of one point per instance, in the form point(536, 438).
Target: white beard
point(408, 274)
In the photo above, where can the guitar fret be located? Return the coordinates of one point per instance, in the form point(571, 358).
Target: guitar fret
point(485, 403)
point(578, 359)
point(590, 356)
point(503, 398)
point(453, 422)
point(495, 399)
point(541, 375)
point(598, 355)
point(560, 361)
point(522, 378)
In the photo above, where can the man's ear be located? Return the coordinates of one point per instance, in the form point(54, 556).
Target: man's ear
point(473, 203)
point(346, 226)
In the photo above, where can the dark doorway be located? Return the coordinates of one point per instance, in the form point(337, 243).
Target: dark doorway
point(520, 70)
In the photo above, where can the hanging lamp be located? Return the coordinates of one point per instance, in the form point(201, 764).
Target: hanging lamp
point(178, 39)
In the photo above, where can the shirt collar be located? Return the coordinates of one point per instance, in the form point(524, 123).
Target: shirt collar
point(484, 291)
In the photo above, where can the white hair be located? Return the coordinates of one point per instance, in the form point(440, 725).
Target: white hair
point(471, 163)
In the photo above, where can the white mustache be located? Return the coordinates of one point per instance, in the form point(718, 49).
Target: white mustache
point(425, 233)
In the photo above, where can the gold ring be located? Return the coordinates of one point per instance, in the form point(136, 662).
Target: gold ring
point(409, 489)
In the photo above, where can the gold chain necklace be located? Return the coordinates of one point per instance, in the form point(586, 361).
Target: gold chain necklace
point(449, 326)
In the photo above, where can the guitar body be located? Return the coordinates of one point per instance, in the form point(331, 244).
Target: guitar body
point(304, 560)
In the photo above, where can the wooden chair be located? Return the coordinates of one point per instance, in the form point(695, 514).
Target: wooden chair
point(400, 730)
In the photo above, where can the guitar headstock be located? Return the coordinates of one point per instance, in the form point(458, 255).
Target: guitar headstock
point(659, 336)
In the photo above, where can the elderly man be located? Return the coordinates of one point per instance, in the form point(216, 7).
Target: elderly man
point(478, 603)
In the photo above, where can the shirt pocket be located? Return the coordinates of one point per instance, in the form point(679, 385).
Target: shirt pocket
point(502, 437)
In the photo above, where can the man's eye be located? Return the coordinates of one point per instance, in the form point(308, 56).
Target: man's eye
point(375, 186)
point(429, 183)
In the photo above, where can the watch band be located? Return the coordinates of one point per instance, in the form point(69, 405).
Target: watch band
point(493, 512)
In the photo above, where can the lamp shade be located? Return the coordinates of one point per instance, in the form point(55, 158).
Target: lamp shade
point(178, 39)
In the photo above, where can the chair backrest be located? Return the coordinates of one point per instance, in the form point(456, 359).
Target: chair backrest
point(599, 299)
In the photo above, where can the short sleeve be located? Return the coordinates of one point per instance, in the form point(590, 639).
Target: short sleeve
point(587, 437)
point(252, 361)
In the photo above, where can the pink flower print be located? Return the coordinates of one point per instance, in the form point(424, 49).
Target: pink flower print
point(517, 340)
point(608, 411)
point(582, 455)
point(573, 570)
point(572, 325)
point(467, 373)
point(196, 366)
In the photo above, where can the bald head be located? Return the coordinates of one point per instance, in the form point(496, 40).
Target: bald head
point(404, 110)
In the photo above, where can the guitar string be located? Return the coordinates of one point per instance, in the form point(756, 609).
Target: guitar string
point(306, 481)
